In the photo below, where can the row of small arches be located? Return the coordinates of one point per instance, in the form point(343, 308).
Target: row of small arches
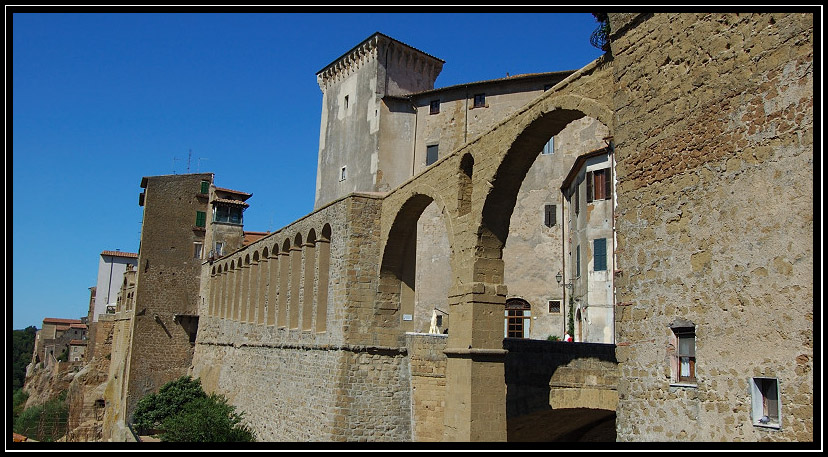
point(285, 287)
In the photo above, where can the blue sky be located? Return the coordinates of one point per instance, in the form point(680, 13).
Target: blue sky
point(101, 100)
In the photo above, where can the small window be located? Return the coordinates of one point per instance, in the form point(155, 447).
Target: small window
point(219, 248)
point(197, 249)
point(346, 102)
point(518, 318)
point(201, 219)
point(598, 185)
point(431, 154)
point(480, 100)
point(578, 261)
point(342, 174)
point(554, 306)
point(765, 404)
point(550, 215)
point(227, 213)
point(599, 254)
point(549, 147)
point(434, 108)
point(205, 187)
point(685, 354)
point(576, 198)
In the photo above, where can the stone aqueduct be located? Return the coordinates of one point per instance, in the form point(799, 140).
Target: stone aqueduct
point(475, 188)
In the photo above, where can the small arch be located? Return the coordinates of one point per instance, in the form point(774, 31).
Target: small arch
point(295, 281)
point(323, 270)
point(309, 272)
point(464, 192)
point(284, 282)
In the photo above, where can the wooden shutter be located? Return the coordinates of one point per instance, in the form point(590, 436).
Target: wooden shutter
point(607, 184)
point(589, 179)
point(201, 219)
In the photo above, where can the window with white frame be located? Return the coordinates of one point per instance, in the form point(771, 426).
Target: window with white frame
point(683, 352)
point(765, 404)
point(197, 248)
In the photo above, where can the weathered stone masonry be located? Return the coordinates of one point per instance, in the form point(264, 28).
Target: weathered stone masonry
point(714, 150)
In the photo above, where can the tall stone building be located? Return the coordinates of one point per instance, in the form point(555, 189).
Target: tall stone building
point(157, 321)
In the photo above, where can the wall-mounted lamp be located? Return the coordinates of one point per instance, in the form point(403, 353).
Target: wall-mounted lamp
point(559, 278)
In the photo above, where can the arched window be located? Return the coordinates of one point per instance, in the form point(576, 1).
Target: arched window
point(518, 318)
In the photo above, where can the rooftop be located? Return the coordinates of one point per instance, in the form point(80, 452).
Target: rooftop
point(56, 320)
point(132, 255)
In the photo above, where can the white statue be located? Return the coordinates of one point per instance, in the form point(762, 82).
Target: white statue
point(433, 328)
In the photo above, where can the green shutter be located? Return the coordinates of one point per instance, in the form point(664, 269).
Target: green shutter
point(599, 254)
point(205, 187)
point(201, 219)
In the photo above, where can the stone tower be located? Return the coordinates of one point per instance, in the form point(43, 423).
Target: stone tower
point(357, 150)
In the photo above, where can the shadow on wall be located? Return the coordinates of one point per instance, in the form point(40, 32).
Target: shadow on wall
point(529, 370)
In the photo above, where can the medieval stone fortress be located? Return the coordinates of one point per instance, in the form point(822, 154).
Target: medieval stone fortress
point(655, 205)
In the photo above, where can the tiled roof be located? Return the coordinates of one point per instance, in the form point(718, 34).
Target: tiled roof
point(55, 320)
point(62, 327)
point(77, 343)
point(561, 74)
point(231, 191)
point(83, 326)
point(250, 237)
point(231, 202)
point(120, 254)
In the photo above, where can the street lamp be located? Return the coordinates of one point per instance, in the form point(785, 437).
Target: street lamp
point(559, 278)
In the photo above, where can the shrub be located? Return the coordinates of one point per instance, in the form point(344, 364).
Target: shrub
point(152, 409)
point(553, 338)
point(207, 420)
point(46, 422)
point(183, 412)
point(18, 402)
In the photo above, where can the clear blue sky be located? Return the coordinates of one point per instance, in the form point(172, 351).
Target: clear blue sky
point(101, 100)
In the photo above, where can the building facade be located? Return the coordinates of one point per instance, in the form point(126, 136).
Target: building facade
point(316, 331)
point(111, 267)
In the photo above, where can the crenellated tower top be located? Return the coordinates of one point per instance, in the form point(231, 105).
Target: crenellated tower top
point(391, 54)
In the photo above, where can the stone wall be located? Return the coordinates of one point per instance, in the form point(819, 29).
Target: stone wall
point(167, 282)
point(427, 368)
point(342, 377)
point(714, 143)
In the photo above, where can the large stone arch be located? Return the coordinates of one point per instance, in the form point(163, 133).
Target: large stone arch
point(397, 270)
point(548, 118)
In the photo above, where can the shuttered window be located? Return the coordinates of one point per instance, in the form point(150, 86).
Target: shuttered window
point(599, 254)
point(550, 215)
point(598, 185)
point(201, 219)
point(578, 261)
point(205, 187)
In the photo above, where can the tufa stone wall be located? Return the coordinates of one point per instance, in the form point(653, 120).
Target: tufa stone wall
point(167, 283)
point(714, 144)
point(427, 368)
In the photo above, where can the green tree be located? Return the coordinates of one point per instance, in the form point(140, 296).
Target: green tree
point(46, 422)
point(206, 420)
point(183, 412)
point(19, 398)
point(152, 409)
point(22, 349)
